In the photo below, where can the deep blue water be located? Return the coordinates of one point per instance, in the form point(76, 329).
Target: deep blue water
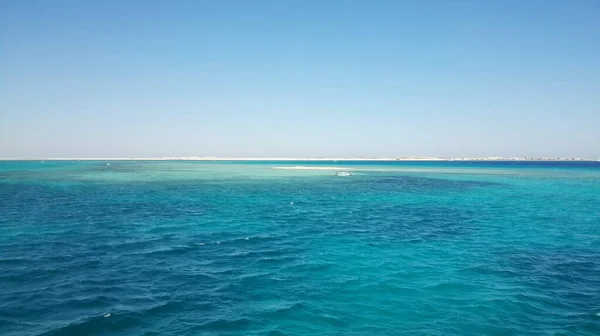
point(238, 248)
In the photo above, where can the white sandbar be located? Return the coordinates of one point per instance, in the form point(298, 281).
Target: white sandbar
point(313, 168)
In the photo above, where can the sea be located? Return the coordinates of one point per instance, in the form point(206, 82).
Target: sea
point(241, 248)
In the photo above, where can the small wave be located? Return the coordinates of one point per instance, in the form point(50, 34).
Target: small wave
point(5, 322)
point(113, 320)
point(280, 309)
point(16, 261)
point(176, 249)
point(449, 287)
point(163, 307)
point(227, 324)
point(274, 260)
point(91, 325)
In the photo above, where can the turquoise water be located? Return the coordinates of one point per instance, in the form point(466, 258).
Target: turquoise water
point(239, 248)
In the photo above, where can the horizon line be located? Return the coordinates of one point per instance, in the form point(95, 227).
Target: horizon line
point(213, 158)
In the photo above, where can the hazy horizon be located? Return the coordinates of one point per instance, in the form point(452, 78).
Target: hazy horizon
point(299, 79)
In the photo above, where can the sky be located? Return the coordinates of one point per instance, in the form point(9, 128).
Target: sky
point(299, 78)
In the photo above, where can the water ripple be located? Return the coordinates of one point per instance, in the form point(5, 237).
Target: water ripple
point(90, 251)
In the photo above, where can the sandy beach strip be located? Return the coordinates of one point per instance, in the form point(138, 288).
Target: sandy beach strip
point(313, 168)
point(189, 158)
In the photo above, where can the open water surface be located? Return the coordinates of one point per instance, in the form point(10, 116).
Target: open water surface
point(239, 248)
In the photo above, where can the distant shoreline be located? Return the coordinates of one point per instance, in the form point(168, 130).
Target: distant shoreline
point(192, 158)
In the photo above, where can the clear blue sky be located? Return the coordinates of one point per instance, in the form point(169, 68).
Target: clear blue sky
point(299, 78)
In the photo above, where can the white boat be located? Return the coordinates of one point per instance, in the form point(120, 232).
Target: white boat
point(344, 173)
